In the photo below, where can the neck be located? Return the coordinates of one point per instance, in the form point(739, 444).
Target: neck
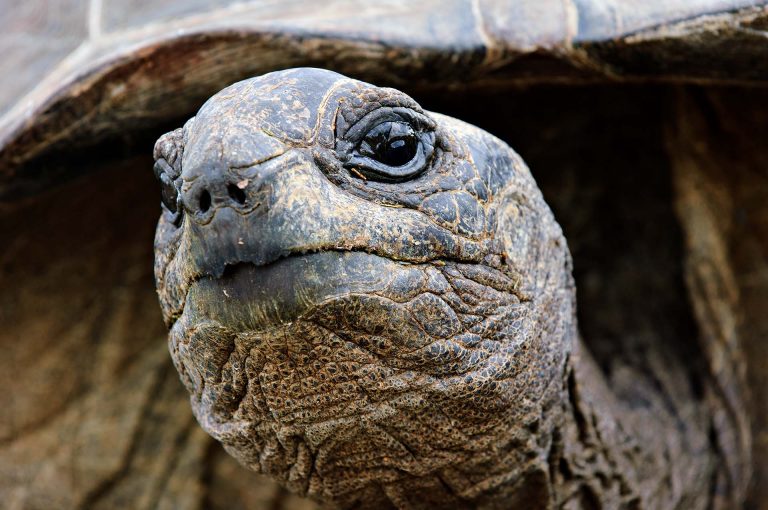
point(640, 437)
point(645, 436)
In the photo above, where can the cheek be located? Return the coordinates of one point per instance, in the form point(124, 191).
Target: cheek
point(468, 346)
point(457, 211)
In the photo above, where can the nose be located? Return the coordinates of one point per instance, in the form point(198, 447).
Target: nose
point(227, 171)
point(215, 189)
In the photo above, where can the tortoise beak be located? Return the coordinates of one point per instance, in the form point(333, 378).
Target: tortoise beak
point(250, 298)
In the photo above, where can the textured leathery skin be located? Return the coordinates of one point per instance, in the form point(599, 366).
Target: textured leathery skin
point(363, 342)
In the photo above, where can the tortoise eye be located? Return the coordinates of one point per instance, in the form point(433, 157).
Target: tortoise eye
point(391, 143)
point(169, 193)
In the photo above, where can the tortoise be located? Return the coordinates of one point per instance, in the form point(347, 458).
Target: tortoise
point(641, 126)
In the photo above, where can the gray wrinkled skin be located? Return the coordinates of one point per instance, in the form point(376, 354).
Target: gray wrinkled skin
point(365, 342)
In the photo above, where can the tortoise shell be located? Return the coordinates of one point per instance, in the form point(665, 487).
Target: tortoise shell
point(91, 70)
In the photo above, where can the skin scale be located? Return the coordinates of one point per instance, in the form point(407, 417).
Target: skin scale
point(378, 341)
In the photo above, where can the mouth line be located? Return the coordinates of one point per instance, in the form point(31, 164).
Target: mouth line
point(298, 275)
point(227, 268)
point(230, 268)
point(291, 277)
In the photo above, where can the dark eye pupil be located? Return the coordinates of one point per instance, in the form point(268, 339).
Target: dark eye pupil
point(398, 151)
point(391, 143)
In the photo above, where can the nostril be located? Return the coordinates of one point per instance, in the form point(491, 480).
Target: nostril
point(205, 201)
point(237, 194)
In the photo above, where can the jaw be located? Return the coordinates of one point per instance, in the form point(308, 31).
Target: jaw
point(337, 372)
point(253, 298)
point(277, 375)
point(289, 342)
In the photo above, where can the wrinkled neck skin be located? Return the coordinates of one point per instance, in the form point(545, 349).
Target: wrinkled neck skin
point(407, 389)
point(408, 344)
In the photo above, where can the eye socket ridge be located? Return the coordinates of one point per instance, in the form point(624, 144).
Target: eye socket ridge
point(388, 144)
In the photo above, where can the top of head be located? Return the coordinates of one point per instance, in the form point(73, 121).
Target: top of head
point(333, 258)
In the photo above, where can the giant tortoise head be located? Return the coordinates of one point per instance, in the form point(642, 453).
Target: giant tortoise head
point(363, 296)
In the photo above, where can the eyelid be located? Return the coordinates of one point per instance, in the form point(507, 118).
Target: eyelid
point(393, 114)
point(161, 167)
point(395, 129)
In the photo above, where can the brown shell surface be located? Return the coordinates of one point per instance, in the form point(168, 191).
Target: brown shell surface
point(79, 71)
